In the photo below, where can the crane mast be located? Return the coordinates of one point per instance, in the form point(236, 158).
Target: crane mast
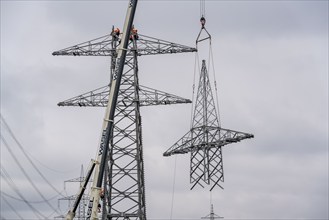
point(110, 111)
point(107, 127)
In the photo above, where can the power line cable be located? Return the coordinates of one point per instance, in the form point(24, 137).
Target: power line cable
point(10, 206)
point(12, 185)
point(33, 202)
point(26, 155)
point(25, 173)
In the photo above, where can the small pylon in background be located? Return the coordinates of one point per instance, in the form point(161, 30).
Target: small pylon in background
point(212, 215)
point(205, 138)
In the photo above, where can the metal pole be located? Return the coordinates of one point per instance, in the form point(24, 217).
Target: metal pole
point(107, 127)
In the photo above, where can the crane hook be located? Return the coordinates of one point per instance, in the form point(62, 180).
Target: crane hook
point(203, 21)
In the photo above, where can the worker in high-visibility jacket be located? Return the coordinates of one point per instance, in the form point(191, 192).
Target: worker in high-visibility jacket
point(134, 34)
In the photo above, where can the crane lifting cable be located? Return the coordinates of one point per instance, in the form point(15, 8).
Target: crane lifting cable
point(203, 29)
point(203, 36)
point(202, 8)
point(203, 23)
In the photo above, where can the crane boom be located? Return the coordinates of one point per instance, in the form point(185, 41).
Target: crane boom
point(107, 127)
point(71, 214)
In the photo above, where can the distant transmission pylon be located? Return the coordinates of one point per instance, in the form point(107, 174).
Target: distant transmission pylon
point(124, 184)
point(212, 215)
point(205, 139)
point(81, 210)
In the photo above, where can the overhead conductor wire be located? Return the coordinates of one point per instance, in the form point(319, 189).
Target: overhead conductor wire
point(22, 168)
point(25, 173)
point(29, 159)
point(11, 207)
point(12, 185)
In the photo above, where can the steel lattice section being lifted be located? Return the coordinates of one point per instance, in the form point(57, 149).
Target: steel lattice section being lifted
point(147, 97)
point(124, 191)
point(205, 139)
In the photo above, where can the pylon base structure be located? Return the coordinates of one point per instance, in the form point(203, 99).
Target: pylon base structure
point(124, 184)
point(205, 139)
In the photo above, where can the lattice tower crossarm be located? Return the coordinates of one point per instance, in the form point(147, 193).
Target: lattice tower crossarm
point(205, 139)
point(147, 97)
point(102, 46)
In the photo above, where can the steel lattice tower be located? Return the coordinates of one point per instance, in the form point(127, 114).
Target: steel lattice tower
point(124, 190)
point(212, 215)
point(206, 138)
point(81, 213)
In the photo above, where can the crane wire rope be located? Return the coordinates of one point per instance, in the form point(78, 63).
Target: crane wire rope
point(26, 175)
point(210, 55)
point(210, 198)
point(6, 126)
point(211, 66)
point(14, 187)
point(196, 69)
point(211, 63)
point(173, 189)
point(202, 8)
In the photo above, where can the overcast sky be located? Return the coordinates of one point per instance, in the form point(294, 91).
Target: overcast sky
point(271, 66)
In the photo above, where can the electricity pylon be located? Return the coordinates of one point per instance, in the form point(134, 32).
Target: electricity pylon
point(212, 215)
point(206, 138)
point(124, 184)
point(81, 210)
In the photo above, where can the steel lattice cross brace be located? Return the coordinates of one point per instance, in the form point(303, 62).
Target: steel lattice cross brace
point(124, 191)
point(205, 139)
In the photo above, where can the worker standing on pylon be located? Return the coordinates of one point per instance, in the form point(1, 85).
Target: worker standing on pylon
point(116, 33)
point(134, 34)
